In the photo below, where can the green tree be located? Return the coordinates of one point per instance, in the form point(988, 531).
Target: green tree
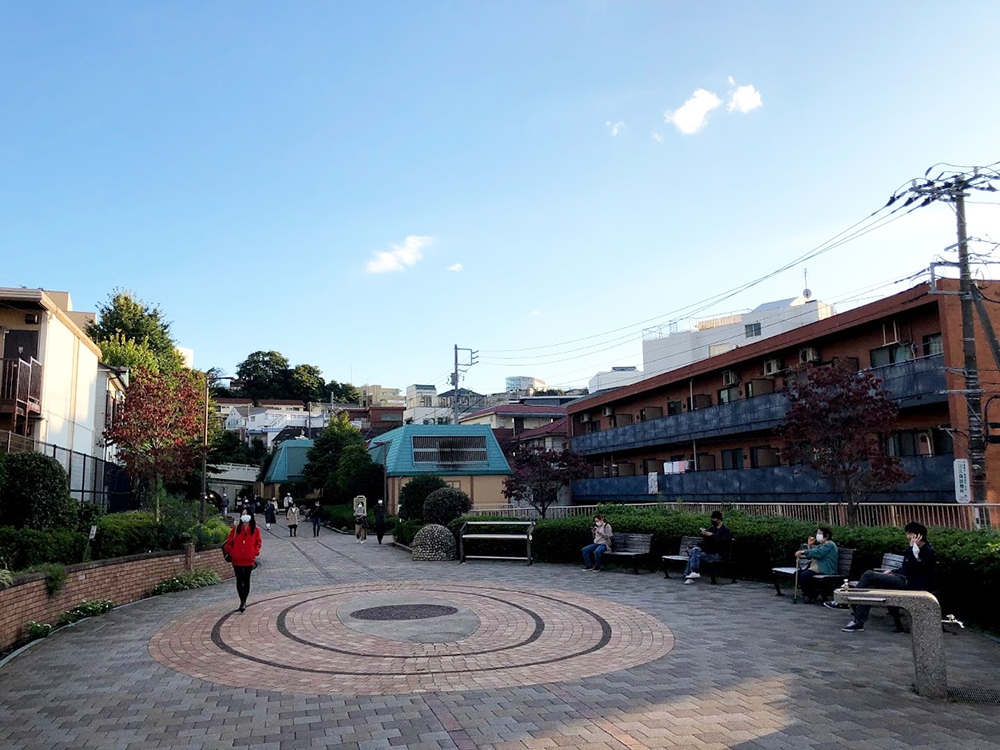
point(128, 318)
point(119, 351)
point(263, 375)
point(323, 458)
point(413, 493)
point(227, 448)
point(36, 493)
point(344, 393)
point(357, 474)
point(306, 383)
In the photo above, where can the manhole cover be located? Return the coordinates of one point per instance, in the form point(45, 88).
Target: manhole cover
point(404, 612)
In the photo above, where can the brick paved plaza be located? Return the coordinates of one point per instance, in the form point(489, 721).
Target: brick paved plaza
point(355, 646)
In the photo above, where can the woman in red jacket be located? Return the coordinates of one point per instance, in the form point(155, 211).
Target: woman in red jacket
point(242, 547)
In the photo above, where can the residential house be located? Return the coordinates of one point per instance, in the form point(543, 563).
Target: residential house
point(515, 417)
point(287, 467)
point(553, 436)
point(376, 395)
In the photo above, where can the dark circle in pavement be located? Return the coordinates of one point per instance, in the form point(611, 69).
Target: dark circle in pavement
point(404, 612)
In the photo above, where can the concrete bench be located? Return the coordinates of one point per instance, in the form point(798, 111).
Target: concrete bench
point(631, 546)
point(825, 583)
point(713, 569)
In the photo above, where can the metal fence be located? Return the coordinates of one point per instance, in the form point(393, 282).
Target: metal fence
point(91, 480)
point(951, 515)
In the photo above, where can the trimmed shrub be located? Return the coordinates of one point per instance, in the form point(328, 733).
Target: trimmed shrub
point(36, 493)
point(445, 505)
point(413, 494)
point(23, 548)
point(133, 533)
point(210, 534)
point(342, 517)
point(196, 579)
point(405, 531)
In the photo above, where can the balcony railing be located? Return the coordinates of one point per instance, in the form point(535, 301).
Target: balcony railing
point(918, 381)
point(20, 386)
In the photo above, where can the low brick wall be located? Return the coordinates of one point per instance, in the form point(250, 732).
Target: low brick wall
point(122, 580)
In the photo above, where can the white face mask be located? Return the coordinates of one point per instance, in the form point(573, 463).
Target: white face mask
point(245, 518)
point(819, 536)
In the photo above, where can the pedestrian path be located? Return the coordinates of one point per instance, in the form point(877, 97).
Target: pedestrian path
point(355, 646)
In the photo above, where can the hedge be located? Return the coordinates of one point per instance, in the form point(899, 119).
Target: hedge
point(25, 548)
point(406, 530)
point(968, 561)
point(342, 517)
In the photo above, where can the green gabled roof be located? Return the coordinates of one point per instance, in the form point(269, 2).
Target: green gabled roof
point(288, 464)
point(397, 455)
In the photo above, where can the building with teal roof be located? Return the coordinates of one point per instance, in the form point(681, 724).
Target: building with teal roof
point(467, 457)
point(287, 466)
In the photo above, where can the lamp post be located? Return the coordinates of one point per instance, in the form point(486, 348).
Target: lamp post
point(209, 379)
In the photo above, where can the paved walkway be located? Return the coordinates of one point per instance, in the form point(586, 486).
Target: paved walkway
point(338, 645)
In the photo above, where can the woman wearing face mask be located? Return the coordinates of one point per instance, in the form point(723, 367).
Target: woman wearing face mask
point(243, 546)
point(823, 557)
point(380, 520)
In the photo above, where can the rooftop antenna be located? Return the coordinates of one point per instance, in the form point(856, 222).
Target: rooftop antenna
point(807, 292)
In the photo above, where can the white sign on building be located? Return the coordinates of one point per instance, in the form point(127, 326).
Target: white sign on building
point(652, 483)
point(963, 487)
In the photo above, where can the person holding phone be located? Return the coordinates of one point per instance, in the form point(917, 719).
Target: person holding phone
point(715, 541)
point(602, 543)
point(917, 574)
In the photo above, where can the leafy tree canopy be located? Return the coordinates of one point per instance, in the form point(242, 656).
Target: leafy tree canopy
point(126, 318)
point(119, 351)
point(357, 475)
point(539, 475)
point(344, 393)
point(264, 375)
point(323, 458)
point(306, 383)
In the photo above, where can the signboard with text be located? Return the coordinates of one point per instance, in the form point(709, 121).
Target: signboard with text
point(963, 487)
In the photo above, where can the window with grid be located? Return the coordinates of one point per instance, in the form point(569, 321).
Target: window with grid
point(433, 449)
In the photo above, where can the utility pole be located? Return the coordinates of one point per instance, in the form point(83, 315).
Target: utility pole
point(204, 457)
point(455, 375)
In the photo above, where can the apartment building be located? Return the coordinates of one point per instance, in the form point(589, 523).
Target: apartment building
point(708, 429)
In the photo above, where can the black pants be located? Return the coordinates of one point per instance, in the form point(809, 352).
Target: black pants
point(316, 525)
point(293, 530)
point(874, 579)
point(243, 581)
point(380, 530)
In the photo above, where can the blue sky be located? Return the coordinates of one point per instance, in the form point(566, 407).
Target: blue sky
point(301, 176)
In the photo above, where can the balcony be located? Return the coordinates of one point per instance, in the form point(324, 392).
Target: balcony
point(916, 382)
point(932, 482)
point(20, 387)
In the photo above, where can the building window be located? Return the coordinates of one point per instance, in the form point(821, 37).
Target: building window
point(890, 355)
point(651, 465)
point(706, 462)
point(910, 443)
point(623, 469)
point(732, 459)
point(933, 345)
point(673, 408)
point(701, 401)
point(763, 456)
point(594, 426)
point(730, 394)
point(752, 330)
point(449, 449)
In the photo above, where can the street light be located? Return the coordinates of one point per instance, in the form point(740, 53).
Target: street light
point(209, 379)
point(384, 444)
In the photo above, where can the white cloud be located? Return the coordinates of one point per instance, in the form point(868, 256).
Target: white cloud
point(536, 312)
point(745, 98)
point(401, 256)
point(657, 137)
point(691, 116)
point(615, 127)
point(455, 267)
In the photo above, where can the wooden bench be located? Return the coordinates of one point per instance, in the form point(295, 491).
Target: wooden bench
point(463, 536)
point(711, 568)
point(825, 583)
point(630, 545)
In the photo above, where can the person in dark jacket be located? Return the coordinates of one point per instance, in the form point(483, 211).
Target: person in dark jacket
point(380, 520)
point(271, 513)
point(714, 543)
point(315, 514)
point(917, 574)
point(242, 547)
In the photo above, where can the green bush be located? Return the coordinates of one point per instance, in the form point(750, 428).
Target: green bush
point(133, 533)
point(55, 576)
point(210, 534)
point(196, 579)
point(88, 515)
point(84, 610)
point(36, 493)
point(413, 494)
point(38, 630)
point(6, 578)
point(23, 548)
point(445, 505)
point(405, 531)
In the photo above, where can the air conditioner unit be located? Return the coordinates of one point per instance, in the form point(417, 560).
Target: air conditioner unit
point(771, 366)
point(584, 417)
point(608, 411)
point(729, 377)
point(808, 354)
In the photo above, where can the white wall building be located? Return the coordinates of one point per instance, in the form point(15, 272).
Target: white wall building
point(424, 407)
point(615, 378)
point(524, 384)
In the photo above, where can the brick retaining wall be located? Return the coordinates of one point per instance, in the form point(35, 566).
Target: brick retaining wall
point(122, 580)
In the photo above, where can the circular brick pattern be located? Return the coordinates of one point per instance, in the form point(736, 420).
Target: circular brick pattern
point(404, 612)
point(296, 642)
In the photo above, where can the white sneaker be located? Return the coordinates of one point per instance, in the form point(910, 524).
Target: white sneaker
point(689, 582)
point(692, 576)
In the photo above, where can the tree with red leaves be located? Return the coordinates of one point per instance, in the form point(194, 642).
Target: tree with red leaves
point(540, 474)
point(158, 434)
point(837, 423)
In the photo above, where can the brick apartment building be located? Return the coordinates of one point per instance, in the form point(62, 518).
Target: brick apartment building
point(709, 429)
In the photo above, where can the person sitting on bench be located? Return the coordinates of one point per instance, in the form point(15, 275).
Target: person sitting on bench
point(602, 543)
point(917, 574)
point(823, 557)
point(714, 542)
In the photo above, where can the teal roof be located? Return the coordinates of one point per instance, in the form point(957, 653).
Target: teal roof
point(288, 464)
point(397, 456)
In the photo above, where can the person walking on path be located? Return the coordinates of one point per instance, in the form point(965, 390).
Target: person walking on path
point(602, 543)
point(270, 513)
point(361, 523)
point(380, 520)
point(225, 505)
point(316, 517)
point(287, 502)
point(242, 547)
point(292, 514)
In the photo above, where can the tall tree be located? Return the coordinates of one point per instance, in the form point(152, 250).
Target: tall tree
point(159, 432)
point(357, 474)
point(264, 375)
point(119, 351)
point(126, 316)
point(837, 423)
point(540, 474)
point(306, 383)
point(344, 393)
point(323, 458)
